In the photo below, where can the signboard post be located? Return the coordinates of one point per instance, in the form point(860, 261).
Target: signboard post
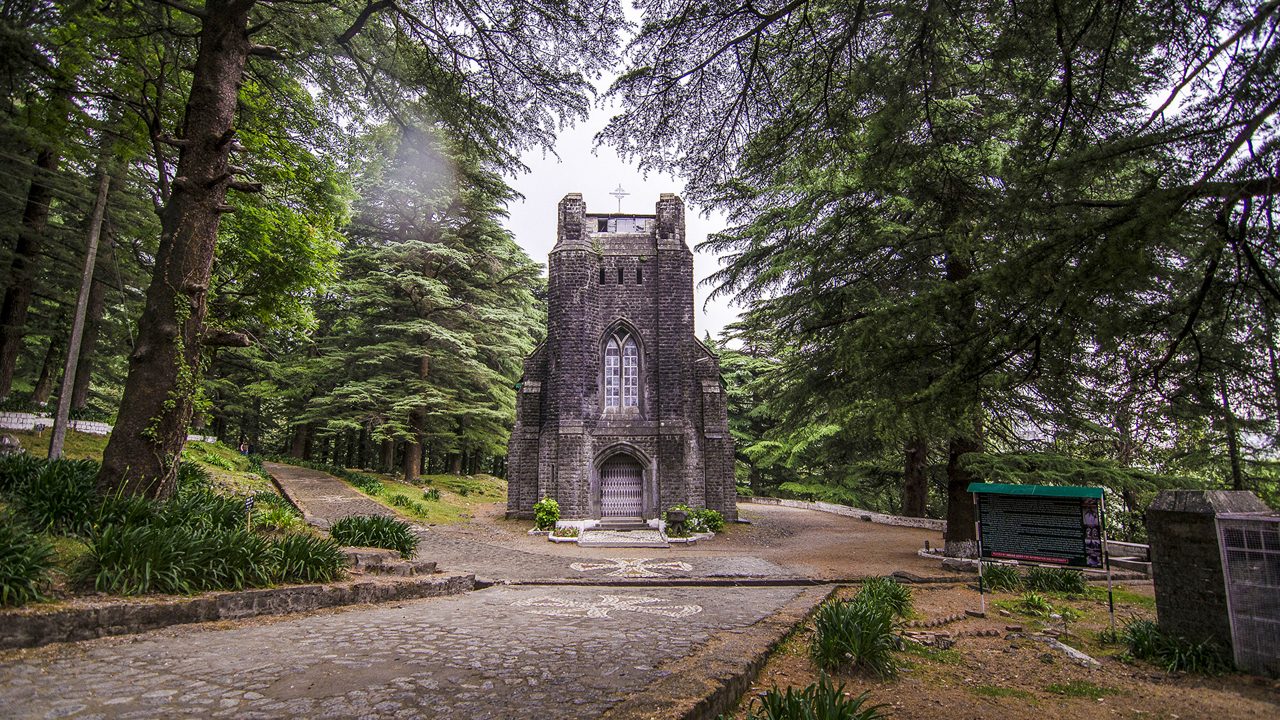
point(1043, 524)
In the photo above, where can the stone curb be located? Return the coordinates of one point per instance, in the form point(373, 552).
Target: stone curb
point(34, 627)
point(712, 680)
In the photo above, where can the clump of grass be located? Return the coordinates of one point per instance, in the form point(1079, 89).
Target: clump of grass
point(893, 596)
point(1001, 578)
point(182, 559)
point(1080, 688)
point(58, 496)
point(1056, 580)
point(818, 701)
point(855, 636)
point(1146, 641)
point(400, 501)
point(431, 494)
point(26, 559)
point(1033, 603)
point(283, 519)
point(307, 558)
point(375, 531)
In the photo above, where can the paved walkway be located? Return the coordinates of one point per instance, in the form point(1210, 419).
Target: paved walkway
point(326, 498)
point(504, 652)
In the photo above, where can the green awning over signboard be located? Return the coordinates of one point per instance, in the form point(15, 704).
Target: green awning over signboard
point(1064, 491)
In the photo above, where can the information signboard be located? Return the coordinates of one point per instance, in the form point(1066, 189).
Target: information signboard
point(1039, 523)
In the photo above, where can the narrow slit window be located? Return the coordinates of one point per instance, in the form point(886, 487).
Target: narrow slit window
point(639, 276)
point(601, 276)
point(630, 374)
point(611, 377)
point(619, 276)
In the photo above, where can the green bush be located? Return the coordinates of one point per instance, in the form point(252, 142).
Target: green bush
point(817, 701)
point(267, 498)
point(888, 594)
point(193, 475)
point(17, 469)
point(546, 513)
point(699, 520)
point(196, 505)
point(137, 559)
point(278, 518)
point(1001, 578)
point(432, 494)
point(25, 561)
point(418, 507)
point(307, 558)
point(1033, 603)
point(375, 531)
point(400, 501)
point(856, 636)
point(1146, 641)
point(364, 481)
point(58, 497)
point(1059, 580)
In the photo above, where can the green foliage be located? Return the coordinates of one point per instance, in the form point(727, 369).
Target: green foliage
point(855, 636)
point(375, 531)
point(1056, 580)
point(888, 594)
point(1033, 603)
point(26, 558)
point(400, 501)
point(1146, 641)
point(280, 518)
point(16, 468)
point(137, 559)
point(1001, 578)
point(565, 532)
point(307, 558)
point(58, 497)
point(817, 701)
point(431, 494)
point(699, 520)
point(546, 512)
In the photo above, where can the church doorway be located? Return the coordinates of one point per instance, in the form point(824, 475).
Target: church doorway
point(621, 487)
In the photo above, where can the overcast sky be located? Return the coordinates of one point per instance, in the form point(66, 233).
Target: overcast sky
point(595, 175)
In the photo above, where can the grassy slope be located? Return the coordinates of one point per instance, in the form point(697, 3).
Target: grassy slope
point(452, 507)
point(229, 468)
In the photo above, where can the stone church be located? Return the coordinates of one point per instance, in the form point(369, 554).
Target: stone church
point(621, 411)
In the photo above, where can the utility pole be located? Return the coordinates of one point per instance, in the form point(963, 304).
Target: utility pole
point(77, 325)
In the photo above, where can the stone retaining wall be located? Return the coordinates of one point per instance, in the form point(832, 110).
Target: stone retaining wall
point(37, 422)
point(875, 517)
point(35, 626)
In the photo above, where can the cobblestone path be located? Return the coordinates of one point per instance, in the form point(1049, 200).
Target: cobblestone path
point(327, 498)
point(504, 652)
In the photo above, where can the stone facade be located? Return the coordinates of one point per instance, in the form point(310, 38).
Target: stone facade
point(1186, 563)
point(626, 279)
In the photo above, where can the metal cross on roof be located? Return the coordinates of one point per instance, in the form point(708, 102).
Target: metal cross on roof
point(619, 193)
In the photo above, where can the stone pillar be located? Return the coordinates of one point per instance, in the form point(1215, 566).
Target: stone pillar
point(1186, 565)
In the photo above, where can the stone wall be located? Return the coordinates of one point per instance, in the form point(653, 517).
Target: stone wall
point(36, 422)
point(1186, 564)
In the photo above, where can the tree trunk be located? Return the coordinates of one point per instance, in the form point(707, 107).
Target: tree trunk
point(301, 436)
point(915, 485)
point(413, 448)
point(44, 384)
point(961, 539)
point(1233, 436)
point(141, 458)
point(22, 272)
point(388, 455)
point(89, 344)
point(961, 536)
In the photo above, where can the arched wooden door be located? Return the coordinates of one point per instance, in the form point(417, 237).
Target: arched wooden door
point(621, 487)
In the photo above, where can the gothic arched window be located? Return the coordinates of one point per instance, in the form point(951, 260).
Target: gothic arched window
point(621, 372)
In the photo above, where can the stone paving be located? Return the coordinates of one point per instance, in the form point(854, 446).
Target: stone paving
point(504, 652)
point(327, 498)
